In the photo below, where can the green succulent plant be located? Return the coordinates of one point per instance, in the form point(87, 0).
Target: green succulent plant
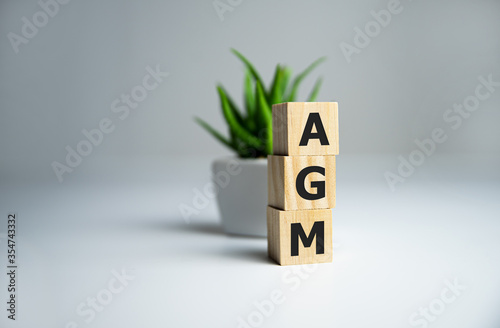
point(250, 132)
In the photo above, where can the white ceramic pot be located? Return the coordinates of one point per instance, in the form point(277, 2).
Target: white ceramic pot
point(242, 198)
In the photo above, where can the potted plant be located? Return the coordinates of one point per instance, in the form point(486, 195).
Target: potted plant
point(242, 198)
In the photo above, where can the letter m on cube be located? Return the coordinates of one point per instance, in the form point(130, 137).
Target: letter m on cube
point(300, 237)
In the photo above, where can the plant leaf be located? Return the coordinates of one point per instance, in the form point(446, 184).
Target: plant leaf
point(249, 101)
point(249, 66)
point(234, 108)
point(315, 90)
point(214, 133)
point(275, 94)
point(287, 73)
point(296, 82)
point(261, 111)
point(264, 112)
point(236, 127)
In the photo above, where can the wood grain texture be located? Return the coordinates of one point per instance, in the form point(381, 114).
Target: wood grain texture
point(282, 178)
point(279, 231)
point(289, 121)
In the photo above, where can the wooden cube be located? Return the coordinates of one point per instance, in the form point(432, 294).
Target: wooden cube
point(305, 128)
point(301, 182)
point(299, 237)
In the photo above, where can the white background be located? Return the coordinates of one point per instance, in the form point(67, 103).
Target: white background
point(119, 207)
point(397, 89)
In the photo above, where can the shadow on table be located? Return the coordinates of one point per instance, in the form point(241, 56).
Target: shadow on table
point(208, 228)
point(258, 255)
point(255, 254)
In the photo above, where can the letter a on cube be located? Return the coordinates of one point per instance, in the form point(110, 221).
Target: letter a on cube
point(300, 237)
point(305, 128)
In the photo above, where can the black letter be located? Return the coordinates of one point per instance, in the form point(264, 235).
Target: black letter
point(314, 119)
point(319, 185)
point(317, 230)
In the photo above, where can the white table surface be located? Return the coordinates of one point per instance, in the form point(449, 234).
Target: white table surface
point(393, 251)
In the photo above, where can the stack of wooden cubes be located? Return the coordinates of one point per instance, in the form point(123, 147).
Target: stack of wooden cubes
point(301, 182)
